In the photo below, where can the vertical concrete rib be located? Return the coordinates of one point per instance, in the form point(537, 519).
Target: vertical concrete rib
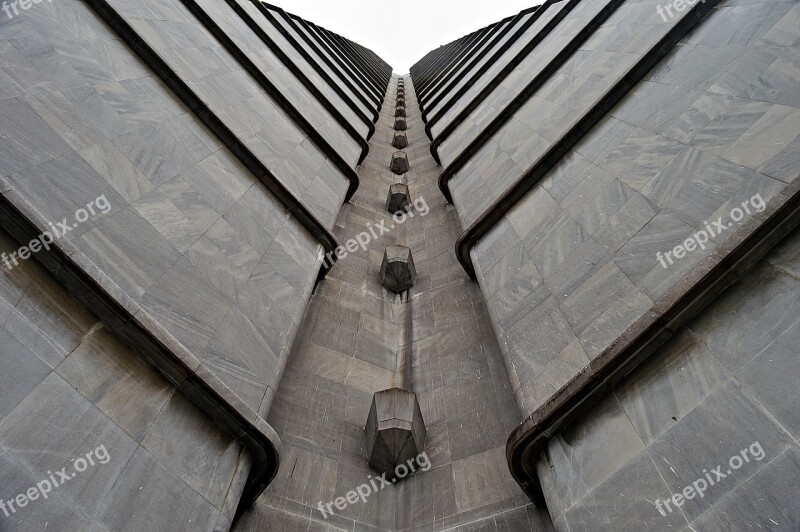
point(358, 339)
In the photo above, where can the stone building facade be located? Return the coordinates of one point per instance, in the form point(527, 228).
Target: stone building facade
point(242, 260)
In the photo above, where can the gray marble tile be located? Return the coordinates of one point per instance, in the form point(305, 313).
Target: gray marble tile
point(190, 309)
point(55, 425)
point(114, 379)
point(644, 257)
point(155, 152)
point(626, 501)
point(60, 187)
point(167, 219)
point(193, 448)
point(238, 354)
point(38, 514)
point(20, 372)
point(728, 422)
point(129, 250)
point(770, 378)
point(736, 329)
point(169, 501)
point(583, 457)
point(110, 163)
point(27, 140)
point(487, 469)
point(786, 255)
point(47, 321)
point(766, 500)
point(676, 380)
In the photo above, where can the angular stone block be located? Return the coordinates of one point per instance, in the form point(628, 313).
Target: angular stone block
point(399, 198)
point(400, 124)
point(400, 141)
point(399, 164)
point(395, 432)
point(401, 101)
point(400, 111)
point(398, 272)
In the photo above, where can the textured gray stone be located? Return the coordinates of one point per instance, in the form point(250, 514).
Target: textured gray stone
point(399, 198)
point(395, 432)
point(398, 272)
point(228, 273)
point(400, 111)
point(399, 164)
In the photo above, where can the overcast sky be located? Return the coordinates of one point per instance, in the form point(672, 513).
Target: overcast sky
point(403, 31)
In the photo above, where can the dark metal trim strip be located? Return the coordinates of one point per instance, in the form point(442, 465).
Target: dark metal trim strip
point(154, 344)
point(267, 9)
point(368, 90)
point(170, 78)
point(709, 279)
point(301, 77)
point(548, 161)
point(427, 84)
point(357, 58)
point(556, 63)
point(455, 70)
point(274, 93)
point(478, 74)
point(440, 60)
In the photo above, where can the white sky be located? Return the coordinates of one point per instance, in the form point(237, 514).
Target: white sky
point(403, 31)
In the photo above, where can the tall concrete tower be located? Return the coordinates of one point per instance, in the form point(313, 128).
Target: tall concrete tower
point(251, 279)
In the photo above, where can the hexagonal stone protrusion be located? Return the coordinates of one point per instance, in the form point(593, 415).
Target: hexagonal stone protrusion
point(399, 198)
point(400, 124)
point(401, 101)
point(399, 164)
point(395, 432)
point(400, 111)
point(397, 271)
point(400, 141)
